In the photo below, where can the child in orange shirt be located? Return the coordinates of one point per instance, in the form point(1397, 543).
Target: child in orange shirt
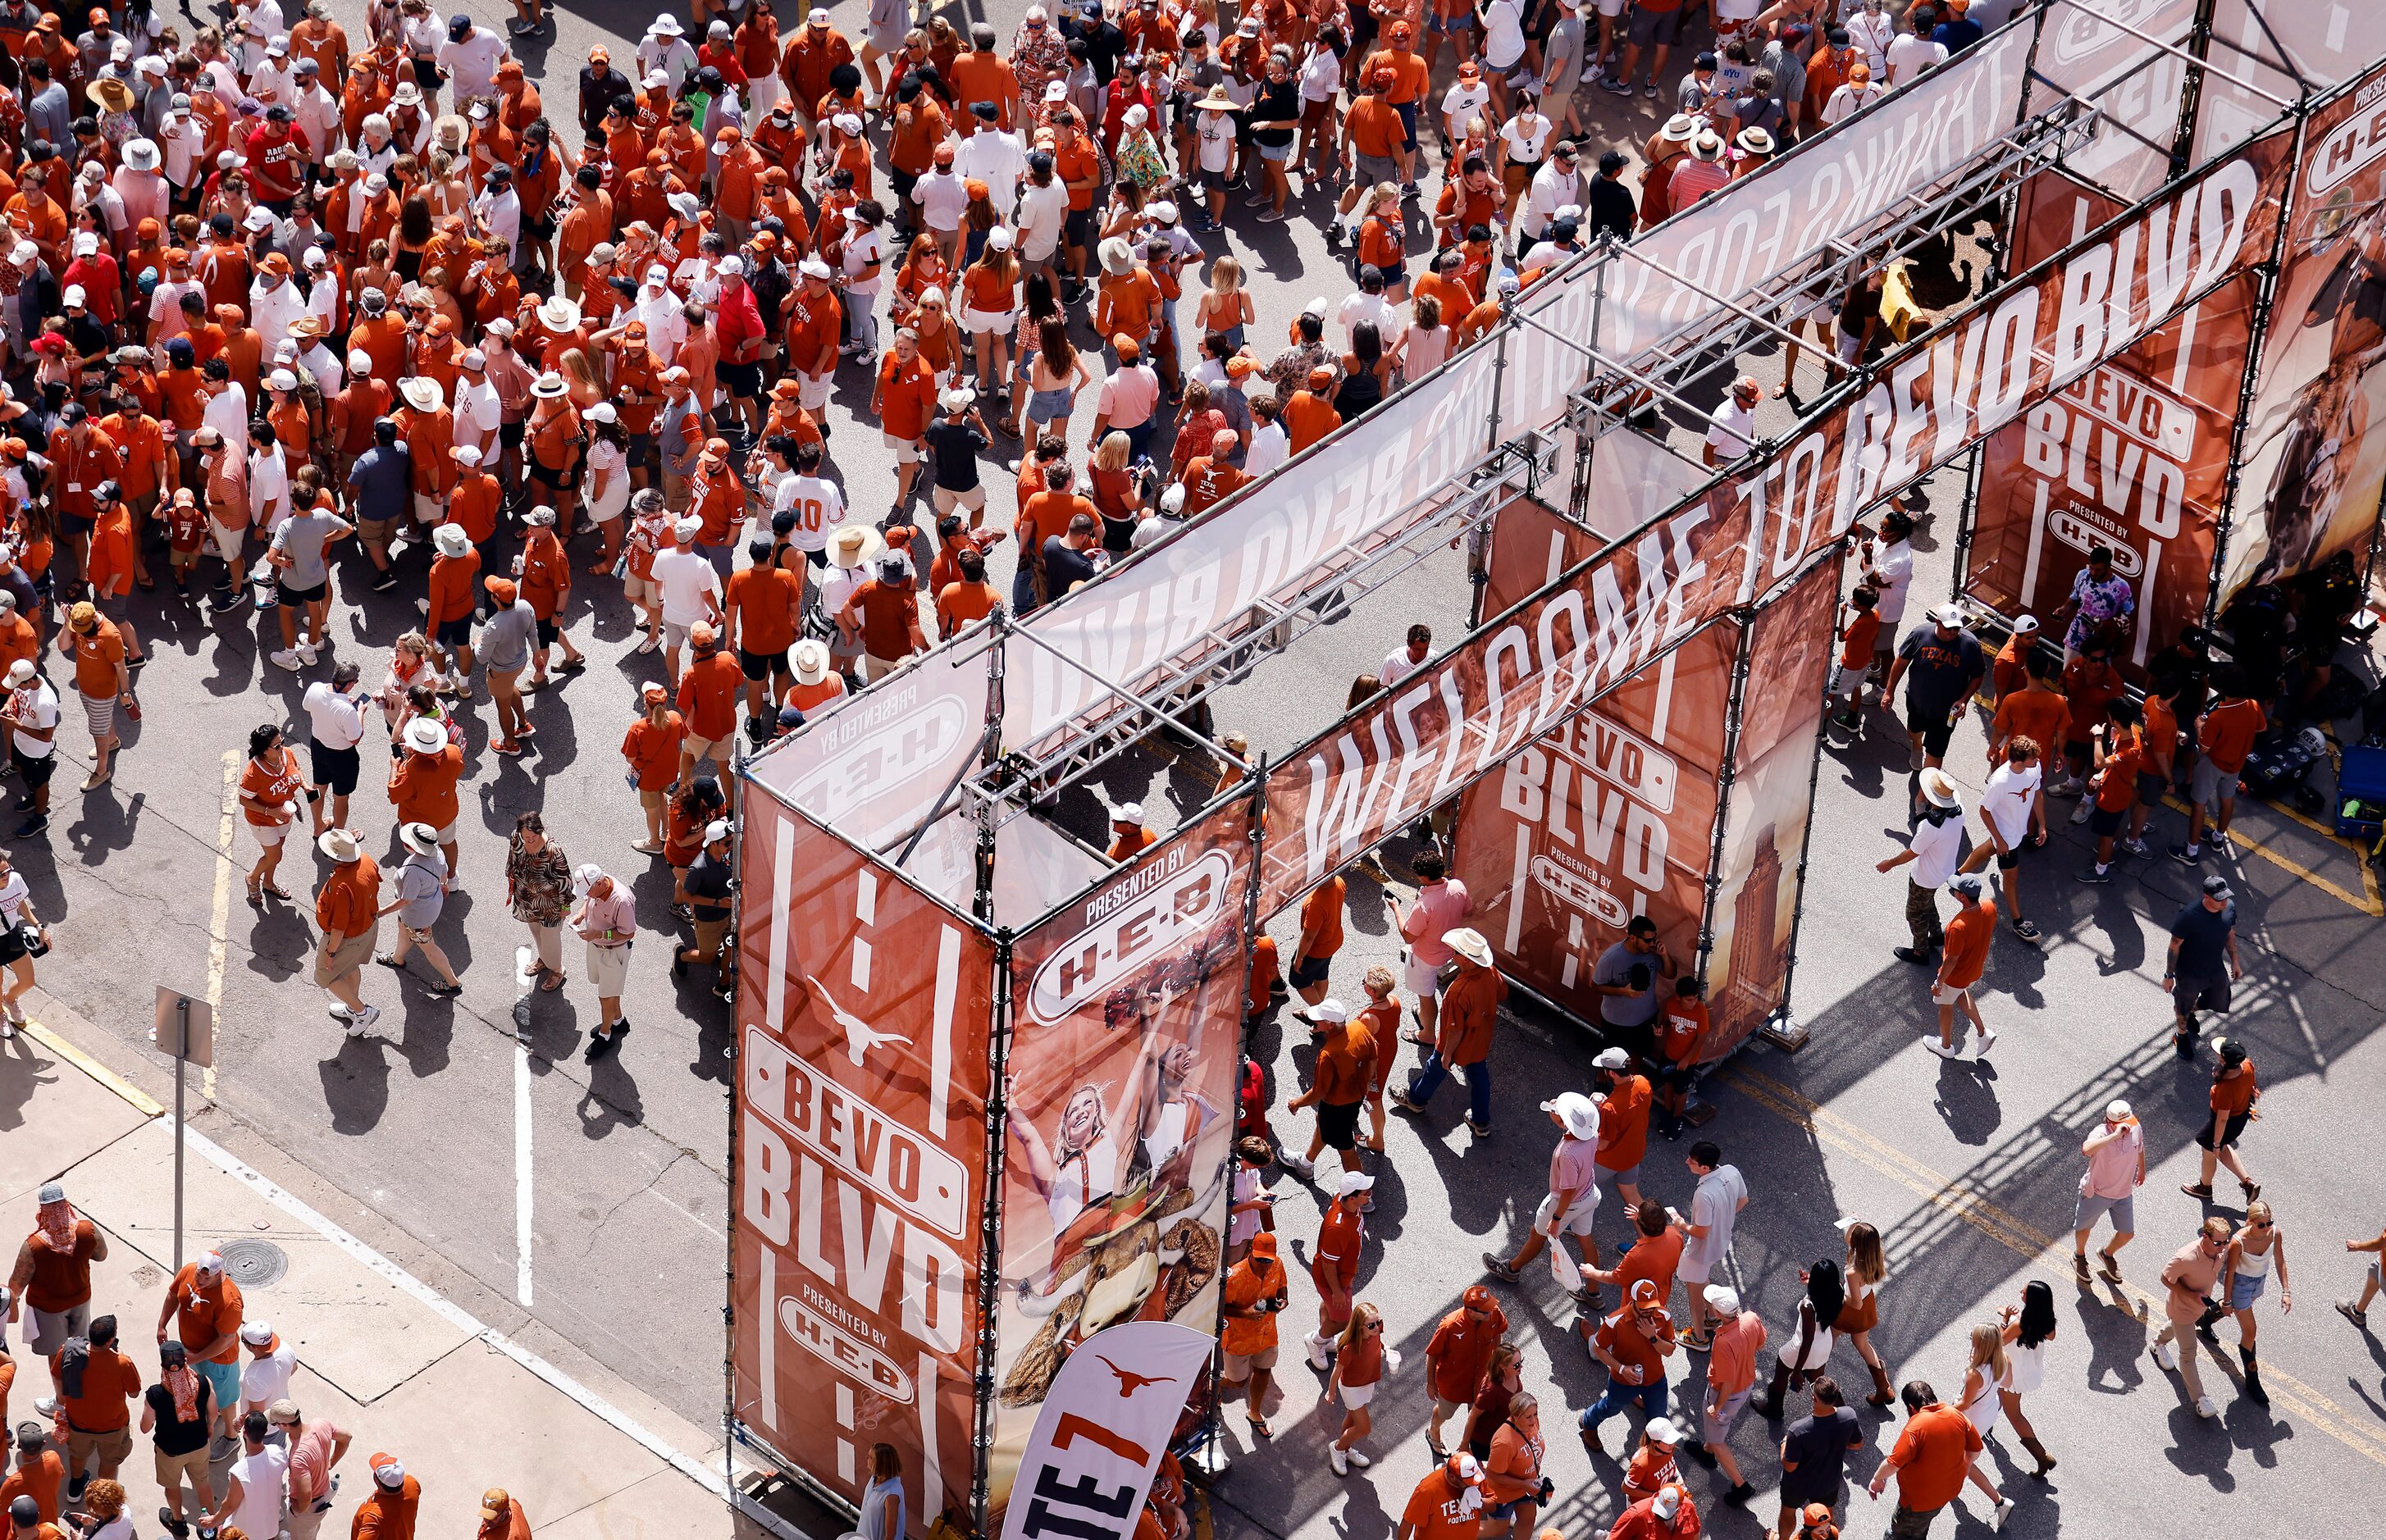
point(1856, 639)
point(2114, 787)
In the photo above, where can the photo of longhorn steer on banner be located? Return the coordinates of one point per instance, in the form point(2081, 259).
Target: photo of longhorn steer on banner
point(1119, 1112)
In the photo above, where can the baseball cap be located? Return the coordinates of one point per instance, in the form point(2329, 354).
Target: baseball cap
point(2217, 887)
point(717, 831)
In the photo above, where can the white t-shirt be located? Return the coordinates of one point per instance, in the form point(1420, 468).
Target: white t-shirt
point(1321, 77)
point(1733, 432)
point(684, 578)
point(1463, 100)
point(1892, 574)
point(1528, 138)
point(269, 485)
point(1042, 213)
point(1215, 133)
point(943, 197)
point(819, 505)
point(1504, 33)
point(2006, 801)
point(334, 720)
point(260, 1476)
point(266, 1380)
point(1398, 665)
point(477, 412)
point(1937, 848)
point(35, 705)
point(472, 64)
point(1366, 307)
point(13, 897)
point(1271, 445)
point(1911, 55)
point(614, 461)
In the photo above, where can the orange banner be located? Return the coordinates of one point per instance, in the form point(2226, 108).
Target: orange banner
point(2133, 455)
point(1765, 826)
point(1119, 1113)
point(860, 1153)
point(1606, 820)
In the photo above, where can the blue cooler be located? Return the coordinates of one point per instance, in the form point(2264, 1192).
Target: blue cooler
point(2361, 793)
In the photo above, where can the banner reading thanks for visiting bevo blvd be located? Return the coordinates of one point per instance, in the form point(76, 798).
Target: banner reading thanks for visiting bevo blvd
point(2132, 456)
point(1524, 672)
point(1611, 817)
point(1766, 819)
point(1119, 1114)
point(2314, 458)
point(861, 1145)
point(1105, 1422)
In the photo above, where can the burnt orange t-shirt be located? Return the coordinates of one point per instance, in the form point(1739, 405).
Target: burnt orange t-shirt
point(2040, 715)
point(764, 600)
point(1968, 935)
point(2227, 733)
point(1932, 1456)
point(2234, 1096)
point(708, 697)
point(653, 751)
point(1434, 1512)
point(200, 1317)
point(96, 657)
point(1321, 920)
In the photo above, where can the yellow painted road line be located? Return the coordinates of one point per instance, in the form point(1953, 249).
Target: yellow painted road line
point(139, 1099)
point(220, 916)
point(2368, 900)
point(2014, 1233)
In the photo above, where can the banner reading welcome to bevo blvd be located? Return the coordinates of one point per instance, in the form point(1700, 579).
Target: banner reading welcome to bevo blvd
point(1526, 671)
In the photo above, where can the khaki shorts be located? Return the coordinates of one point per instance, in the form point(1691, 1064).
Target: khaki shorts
point(374, 531)
point(715, 749)
point(1240, 1365)
point(173, 1470)
point(641, 591)
point(709, 935)
point(338, 958)
point(811, 393)
point(974, 499)
point(907, 450)
point(113, 1447)
point(608, 969)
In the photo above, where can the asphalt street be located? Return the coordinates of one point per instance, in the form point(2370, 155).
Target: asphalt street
point(1967, 1168)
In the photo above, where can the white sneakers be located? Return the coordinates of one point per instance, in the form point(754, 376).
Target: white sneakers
point(2079, 814)
point(1355, 1457)
point(356, 1023)
point(2166, 1355)
point(1317, 1346)
point(2204, 1407)
point(1987, 1041)
point(1298, 1165)
point(285, 658)
point(1941, 1049)
point(2003, 1511)
point(1337, 1460)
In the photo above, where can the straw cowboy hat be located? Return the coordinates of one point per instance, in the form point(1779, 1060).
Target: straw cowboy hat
point(1216, 101)
point(855, 546)
point(112, 94)
point(1708, 145)
point(340, 844)
point(559, 314)
point(420, 393)
point(1468, 943)
point(549, 385)
point(810, 661)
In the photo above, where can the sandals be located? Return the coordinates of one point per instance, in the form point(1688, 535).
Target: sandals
point(551, 982)
point(272, 892)
point(389, 960)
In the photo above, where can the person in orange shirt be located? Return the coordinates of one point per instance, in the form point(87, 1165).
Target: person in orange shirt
point(2225, 735)
point(969, 598)
point(389, 1510)
point(761, 604)
point(708, 701)
point(101, 677)
point(109, 568)
point(422, 786)
point(1129, 837)
point(1470, 1007)
point(1256, 1292)
point(1966, 959)
point(204, 1308)
point(428, 430)
point(1321, 937)
point(1309, 416)
point(1931, 1459)
point(454, 593)
point(1623, 1122)
point(2113, 789)
point(652, 749)
point(544, 573)
point(1447, 1504)
point(816, 683)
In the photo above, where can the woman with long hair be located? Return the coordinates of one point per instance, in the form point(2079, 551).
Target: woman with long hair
point(1807, 1349)
point(882, 1505)
point(989, 308)
point(606, 482)
point(1982, 1401)
point(1503, 1379)
point(1362, 371)
point(416, 230)
point(1861, 1276)
point(538, 890)
point(1054, 380)
point(1225, 308)
point(270, 787)
point(2258, 1245)
point(16, 914)
point(1037, 304)
point(1360, 1362)
point(2027, 1332)
point(1426, 341)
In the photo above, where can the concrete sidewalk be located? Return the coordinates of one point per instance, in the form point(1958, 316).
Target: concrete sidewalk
point(383, 1354)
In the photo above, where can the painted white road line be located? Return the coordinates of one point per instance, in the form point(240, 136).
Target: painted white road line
point(707, 1477)
point(522, 1174)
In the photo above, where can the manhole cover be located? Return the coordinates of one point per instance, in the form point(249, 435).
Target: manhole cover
point(254, 1264)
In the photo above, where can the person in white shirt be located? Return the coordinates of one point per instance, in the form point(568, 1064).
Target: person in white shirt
point(470, 57)
point(182, 138)
point(663, 314)
point(227, 407)
point(265, 1378)
point(1889, 570)
point(274, 301)
point(1555, 185)
point(477, 410)
point(690, 590)
point(1934, 847)
point(257, 23)
point(1913, 53)
point(31, 722)
point(499, 206)
point(1043, 214)
point(1857, 93)
point(315, 112)
point(995, 159)
point(943, 197)
point(1871, 31)
point(271, 81)
point(1733, 432)
point(335, 721)
point(1523, 143)
point(268, 477)
point(253, 1492)
point(1406, 658)
point(2007, 804)
point(1271, 445)
point(1504, 45)
point(1369, 304)
point(665, 49)
point(1467, 96)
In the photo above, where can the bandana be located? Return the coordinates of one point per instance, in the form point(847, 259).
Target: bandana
point(57, 1221)
point(184, 1384)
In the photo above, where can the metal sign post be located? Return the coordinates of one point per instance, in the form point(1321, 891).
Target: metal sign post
point(186, 1028)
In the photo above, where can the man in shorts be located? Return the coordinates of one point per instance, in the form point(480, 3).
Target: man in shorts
point(303, 580)
point(2008, 803)
point(707, 702)
point(380, 493)
point(709, 883)
point(1571, 1205)
point(1721, 1193)
point(2116, 1169)
point(1656, 26)
point(1966, 958)
point(1442, 905)
point(1941, 665)
point(689, 589)
point(1255, 1292)
point(2202, 962)
point(32, 715)
point(1737, 1337)
point(335, 718)
point(420, 882)
point(1631, 977)
point(1344, 1074)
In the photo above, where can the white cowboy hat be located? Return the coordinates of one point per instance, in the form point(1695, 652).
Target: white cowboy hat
point(810, 661)
point(549, 385)
point(339, 844)
point(855, 546)
point(420, 838)
point(425, 736)
point(1468, 943)
point(451, 539)
point(1578, 1112)
point(559, 314)
point(665, 25)
point(421, 392)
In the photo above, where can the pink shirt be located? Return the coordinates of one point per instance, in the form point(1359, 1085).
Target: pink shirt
point(1440, 907)
point(1574, 1164)
point(2112, 1164)
point(1731, 1362)
point(613, 913)
point(1128, 397)
point(310, 1463)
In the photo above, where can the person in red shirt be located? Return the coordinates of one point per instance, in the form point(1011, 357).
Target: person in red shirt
point(2225, 734)
point(1212, 478)
point(1966, 958)
point(1666, 1514)
point(968, 599)
point(1334, 1265)
point(708, 701)
point(1456, 1357)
